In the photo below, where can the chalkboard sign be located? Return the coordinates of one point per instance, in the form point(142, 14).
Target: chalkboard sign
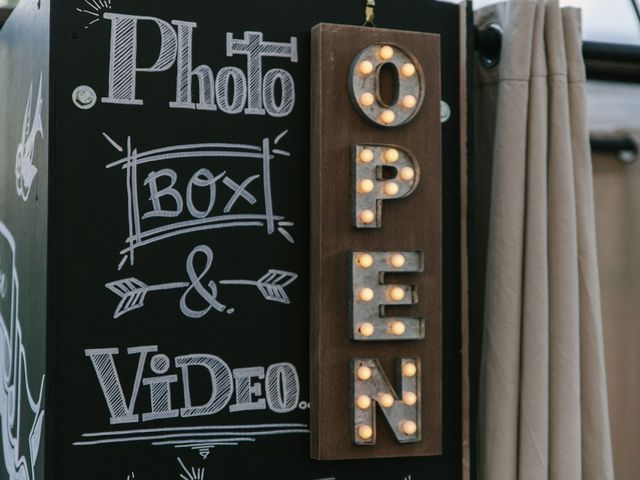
point(24, 185)
point(175, 263)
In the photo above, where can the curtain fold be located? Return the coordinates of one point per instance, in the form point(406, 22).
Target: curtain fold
point(542, 395)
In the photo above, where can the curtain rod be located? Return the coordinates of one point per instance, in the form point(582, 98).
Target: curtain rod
point(604, 61)
point(625, 147)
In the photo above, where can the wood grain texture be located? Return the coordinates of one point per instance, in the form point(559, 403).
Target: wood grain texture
point(411, 223)
point(617, 198)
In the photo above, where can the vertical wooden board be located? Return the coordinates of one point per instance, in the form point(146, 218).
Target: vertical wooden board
point(24, 190)
point(90, 228)
point(410, 223)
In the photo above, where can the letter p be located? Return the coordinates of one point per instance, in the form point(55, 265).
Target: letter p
point(123, 61)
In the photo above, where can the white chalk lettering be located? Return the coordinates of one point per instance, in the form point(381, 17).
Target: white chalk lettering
point(186, 72)
point(167, 194)
point(231, 90)
point(202, 178)
point(123, 61)
point(246, 389)
point(104, 365)
point(283, 387)
point(281, 392)
point(168, 191)
point(160, 390)
point(254, 47)
point(221, 386)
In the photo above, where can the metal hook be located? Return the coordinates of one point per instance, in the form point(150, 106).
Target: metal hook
point(369, 13)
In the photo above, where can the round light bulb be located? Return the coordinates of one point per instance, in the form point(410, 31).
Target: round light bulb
point(396, 293)
point(363, 373)
point(365, 294)
point(408, 70)
point(386, 52)
point(409, 398)
point(409, 369)
point(397, 261)
point(409, 101)
point(367, 216)
point(364, 260)
point(390, 189)
point(365, 155)
point(391, 155)
point(365, 186)
point(409, 427)
point(363, 402)
point(366, 329)
point(365, 67)
point(365, 432)
point(387, 117)
point(407, 173)
point(397, 328)
point(367, 99)
point(386, 400)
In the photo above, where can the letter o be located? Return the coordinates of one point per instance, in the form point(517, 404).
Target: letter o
point(364, 85)
point(282, 387)
point(202, 178)
point(235, 75)
point(288, 98)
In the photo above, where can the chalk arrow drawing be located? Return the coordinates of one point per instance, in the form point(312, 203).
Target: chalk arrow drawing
point(133, 291)
point(271, 285)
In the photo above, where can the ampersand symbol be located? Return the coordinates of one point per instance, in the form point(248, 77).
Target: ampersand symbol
point(208, 295)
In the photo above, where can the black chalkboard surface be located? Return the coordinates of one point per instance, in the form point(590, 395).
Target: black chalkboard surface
point(178, 239)
point(24, 182)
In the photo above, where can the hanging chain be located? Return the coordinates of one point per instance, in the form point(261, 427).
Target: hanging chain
point(369, 13)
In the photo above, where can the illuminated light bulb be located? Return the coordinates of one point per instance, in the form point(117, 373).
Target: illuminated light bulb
point(407, 173)
point(409, 101)
point(387, 117)
point(365, 67)
point(409, 369)
point(397, 261)
point(365, 156)
point(365, 432)
point(367, 99)
point(365, 186)
point(366, 329)
point(391, 155)
point(367, 216)
point(386, 400)
point(386, 52)
point(408, 70)
point(396, 293)
point(391, 188)
point(363, 402)
point(409, 427)
point(365, 294)
point(363, 373)
point(364, 261)
point(397, 328)
point(409, 398)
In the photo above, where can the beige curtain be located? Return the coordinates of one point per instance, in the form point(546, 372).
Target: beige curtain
point(542, 396)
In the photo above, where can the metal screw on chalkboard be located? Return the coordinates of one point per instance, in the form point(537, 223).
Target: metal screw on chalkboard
point(369, 13)
point(84, 97)
point(445, 112)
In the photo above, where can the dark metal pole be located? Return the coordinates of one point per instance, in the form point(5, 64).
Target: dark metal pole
point(636, 8)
